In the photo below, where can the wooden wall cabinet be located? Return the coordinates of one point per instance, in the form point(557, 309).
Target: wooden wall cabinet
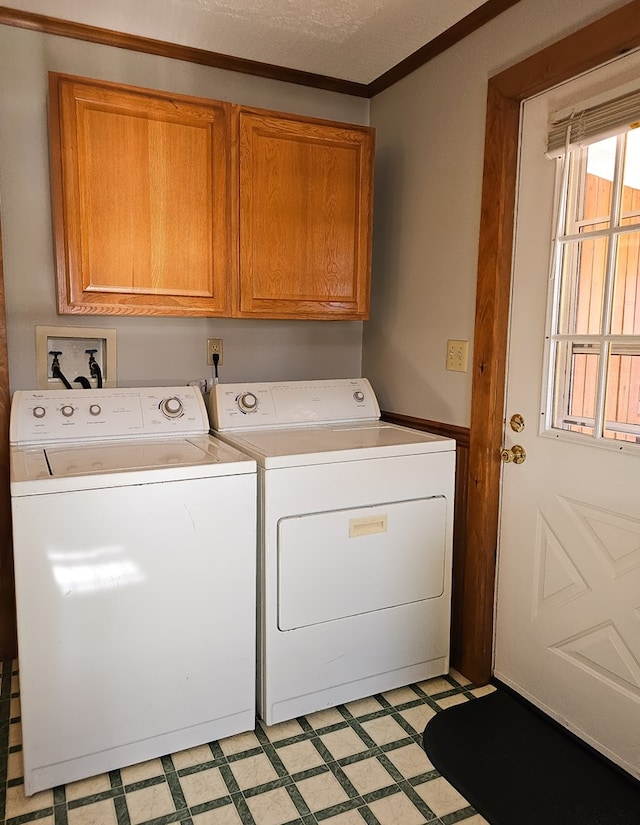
point(174, 205)
point(305, 201)
point(141, 199)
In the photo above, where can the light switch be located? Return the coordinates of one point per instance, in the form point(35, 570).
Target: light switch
point(457, 355)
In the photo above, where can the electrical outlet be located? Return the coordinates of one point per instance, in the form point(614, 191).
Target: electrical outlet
point(457, 355)
point(214, 345)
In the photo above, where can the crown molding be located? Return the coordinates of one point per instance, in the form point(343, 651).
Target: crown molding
point(147, 45)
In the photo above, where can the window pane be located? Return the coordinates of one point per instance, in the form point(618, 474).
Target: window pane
point(622, 410)
point(593, 186)
point(592, 227)
point(582, 286)
point(626, 290)
point(631, 180)
point(575, 387)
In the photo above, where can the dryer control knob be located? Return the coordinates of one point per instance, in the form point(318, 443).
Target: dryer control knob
point(67, 410)
point(247, 402)
point(358, 395)
point(172, 407)
point(95, 409)
point(39, 412)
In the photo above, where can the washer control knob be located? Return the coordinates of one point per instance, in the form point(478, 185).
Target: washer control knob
point(67, 410)
point(172, 407)
point(95, 409)
point(39, 412)
point(358, 395)
point(247, 402)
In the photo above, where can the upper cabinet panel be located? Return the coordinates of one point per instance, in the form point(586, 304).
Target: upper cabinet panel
point(141, 189)
point(305, 217)
point(174, 205)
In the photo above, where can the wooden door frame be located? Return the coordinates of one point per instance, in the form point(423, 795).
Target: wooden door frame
point(606, 38)
point(8, 645)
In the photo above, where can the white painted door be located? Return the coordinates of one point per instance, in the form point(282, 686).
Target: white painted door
point(568, 589)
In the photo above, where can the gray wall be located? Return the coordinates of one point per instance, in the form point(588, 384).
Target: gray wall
point(430, 146)
point(430, 140)
point(150, 350)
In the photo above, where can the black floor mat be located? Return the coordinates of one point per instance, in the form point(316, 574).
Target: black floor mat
point(517, 768)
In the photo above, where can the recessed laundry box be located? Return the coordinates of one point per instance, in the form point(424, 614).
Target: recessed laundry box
point(355, 540)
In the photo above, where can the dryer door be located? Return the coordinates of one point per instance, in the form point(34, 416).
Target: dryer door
point(324, 559)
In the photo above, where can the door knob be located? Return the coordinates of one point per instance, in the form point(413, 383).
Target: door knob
point(517, 454)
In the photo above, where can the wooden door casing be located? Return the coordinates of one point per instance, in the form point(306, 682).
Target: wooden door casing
point(8, 640)
point(602, 40)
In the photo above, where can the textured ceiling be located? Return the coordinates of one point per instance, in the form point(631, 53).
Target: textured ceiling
point(355, 40)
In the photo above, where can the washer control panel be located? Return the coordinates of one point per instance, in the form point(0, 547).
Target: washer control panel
point(49, 416)
point(291, 403)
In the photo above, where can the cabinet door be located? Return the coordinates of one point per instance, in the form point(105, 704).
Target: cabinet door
point(141, 200)
point(305, 217)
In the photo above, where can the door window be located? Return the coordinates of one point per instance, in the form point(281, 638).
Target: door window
point(593, 338)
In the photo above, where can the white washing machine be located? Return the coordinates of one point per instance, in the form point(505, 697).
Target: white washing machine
point(355, 542)
point(134, 546)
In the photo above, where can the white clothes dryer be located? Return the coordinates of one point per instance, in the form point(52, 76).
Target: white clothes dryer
point(134, 546)
point(355, 542)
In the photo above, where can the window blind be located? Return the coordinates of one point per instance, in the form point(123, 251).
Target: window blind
point(585, 126)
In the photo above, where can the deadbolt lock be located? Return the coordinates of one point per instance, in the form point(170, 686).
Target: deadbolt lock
point(516, 422)
point(516, 454)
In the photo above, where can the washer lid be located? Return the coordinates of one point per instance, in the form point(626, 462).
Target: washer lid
point(115, 457)
point(332, 443)
point(66, 467)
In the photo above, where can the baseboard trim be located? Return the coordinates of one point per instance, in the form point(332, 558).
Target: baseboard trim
point(461, 434)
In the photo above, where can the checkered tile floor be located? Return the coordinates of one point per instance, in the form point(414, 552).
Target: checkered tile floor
point(358, 763)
